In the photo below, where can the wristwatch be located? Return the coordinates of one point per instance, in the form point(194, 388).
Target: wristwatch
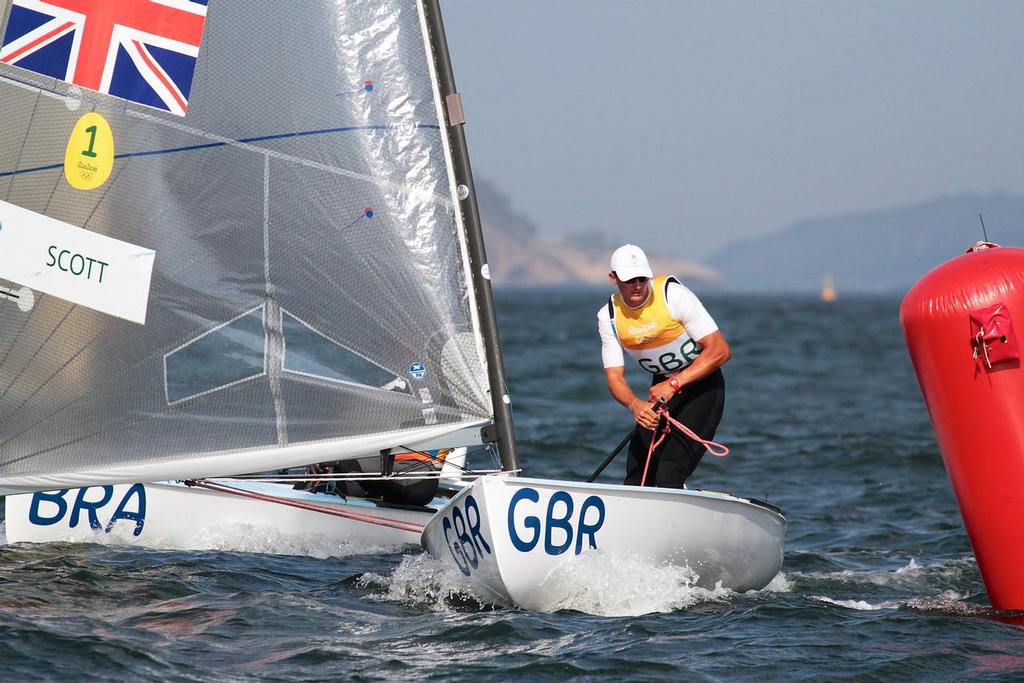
point(674, 383)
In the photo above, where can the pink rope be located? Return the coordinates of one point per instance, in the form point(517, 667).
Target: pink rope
point(714, 448)
point(312, 507)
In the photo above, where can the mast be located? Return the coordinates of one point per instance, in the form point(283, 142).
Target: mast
point(474, 236)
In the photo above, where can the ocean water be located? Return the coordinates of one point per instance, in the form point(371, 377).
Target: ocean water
point(824, 419)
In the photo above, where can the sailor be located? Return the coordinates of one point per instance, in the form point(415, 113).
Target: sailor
point(412, 483)
point(666, 329)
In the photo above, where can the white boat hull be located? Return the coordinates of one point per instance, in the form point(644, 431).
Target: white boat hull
point(269, 517)
point(513, 537)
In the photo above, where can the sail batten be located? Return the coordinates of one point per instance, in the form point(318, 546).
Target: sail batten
point(310, 292)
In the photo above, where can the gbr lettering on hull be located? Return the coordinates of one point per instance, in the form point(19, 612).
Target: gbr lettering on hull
point(558, 520)
point(462, 533)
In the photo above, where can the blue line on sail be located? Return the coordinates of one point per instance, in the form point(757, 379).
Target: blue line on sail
point(367, 86)
point(366, 213)
point(209, 145)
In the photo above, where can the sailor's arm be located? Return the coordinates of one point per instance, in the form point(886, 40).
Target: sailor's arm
point(621, 392)
point(714, 354)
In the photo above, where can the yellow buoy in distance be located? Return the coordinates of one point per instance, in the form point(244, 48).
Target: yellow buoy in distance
point(89, 157)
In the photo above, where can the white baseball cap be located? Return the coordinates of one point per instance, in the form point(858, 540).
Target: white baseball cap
point(630, 261)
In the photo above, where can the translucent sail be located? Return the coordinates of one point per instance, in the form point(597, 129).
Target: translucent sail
point(309, 296)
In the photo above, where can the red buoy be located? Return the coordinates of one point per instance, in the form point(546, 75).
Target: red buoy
point(958, 322)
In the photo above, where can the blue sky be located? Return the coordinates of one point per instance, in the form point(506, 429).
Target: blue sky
point(695, 124)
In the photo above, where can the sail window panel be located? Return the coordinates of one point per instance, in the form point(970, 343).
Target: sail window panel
point(226, 355)
point(319, 411)
point(311, 353)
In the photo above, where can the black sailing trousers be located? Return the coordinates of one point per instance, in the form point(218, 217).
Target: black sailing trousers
point(699, 406)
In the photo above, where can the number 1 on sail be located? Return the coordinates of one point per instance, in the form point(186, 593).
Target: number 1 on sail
point(89, 158)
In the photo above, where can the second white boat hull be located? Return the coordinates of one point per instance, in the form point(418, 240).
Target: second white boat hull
point(261, 518)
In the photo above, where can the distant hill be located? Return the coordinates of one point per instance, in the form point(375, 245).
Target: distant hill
point(877, 251)
point(520, 256)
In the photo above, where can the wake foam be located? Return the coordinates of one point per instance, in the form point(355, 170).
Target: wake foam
point(422, 582)
point(949, 602)
point(595, 583)
point(912, 575)
point(230, 537)
point(249, 538)
point(911, 578)
point(779, 584)
point(614, 585)
point(858, 604)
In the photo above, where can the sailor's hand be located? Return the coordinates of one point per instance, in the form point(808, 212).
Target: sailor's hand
point(662, 392)
point(643, 413)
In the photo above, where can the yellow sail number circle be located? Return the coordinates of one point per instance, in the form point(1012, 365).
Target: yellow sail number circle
point(89, 158)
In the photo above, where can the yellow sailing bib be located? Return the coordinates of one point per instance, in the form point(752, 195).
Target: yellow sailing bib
point(649, 333)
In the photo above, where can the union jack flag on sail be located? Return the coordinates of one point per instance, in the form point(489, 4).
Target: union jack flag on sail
point(140, 50)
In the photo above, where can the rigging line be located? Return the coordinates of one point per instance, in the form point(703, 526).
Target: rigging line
point(366, 214)
point(227, 143)
point(348, 514)
point(281, 156)
point(345, 476)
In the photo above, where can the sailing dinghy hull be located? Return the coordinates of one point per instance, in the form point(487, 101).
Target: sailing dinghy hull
point(270, 517)
point(516, 538)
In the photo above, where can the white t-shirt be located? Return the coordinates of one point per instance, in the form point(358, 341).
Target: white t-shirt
point(684, 307)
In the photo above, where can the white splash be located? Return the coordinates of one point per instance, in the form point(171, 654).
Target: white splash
point(229, 537)
point(858, 604)
point(615, 585)
point(947, 602)
point(780, 584)
point(909, 575)
point(420, 580)
point(598, 584)
point(912, 566)
point(250, 538)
